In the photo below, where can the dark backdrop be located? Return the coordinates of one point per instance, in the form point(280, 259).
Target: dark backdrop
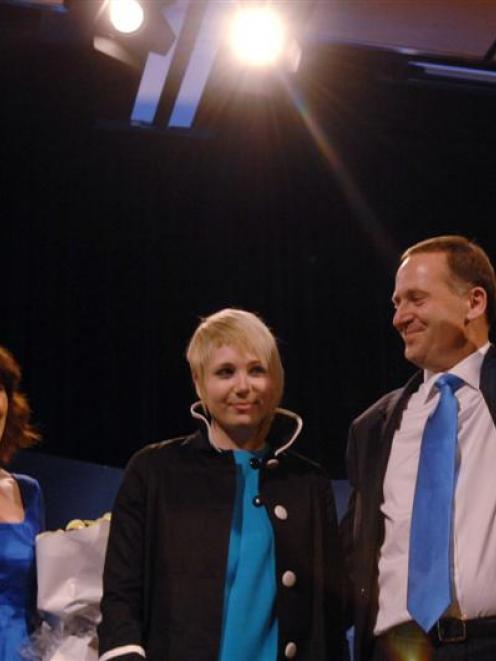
point(115, 240)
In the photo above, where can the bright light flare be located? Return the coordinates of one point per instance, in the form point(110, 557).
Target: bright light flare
point(126, 15)
point(257, 36)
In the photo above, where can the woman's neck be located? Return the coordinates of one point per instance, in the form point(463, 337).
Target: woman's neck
point(238, 439)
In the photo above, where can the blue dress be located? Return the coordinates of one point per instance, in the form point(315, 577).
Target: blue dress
point(17, 572)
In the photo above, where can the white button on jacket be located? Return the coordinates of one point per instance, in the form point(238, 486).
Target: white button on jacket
point(290, 651)
point(281, 512)
point(289, 579)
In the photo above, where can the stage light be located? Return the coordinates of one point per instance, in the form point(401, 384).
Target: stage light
point(126, 30)
point(126, 16)
point(257, 36)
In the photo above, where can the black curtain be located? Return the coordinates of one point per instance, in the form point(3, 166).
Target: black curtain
point(116, 240)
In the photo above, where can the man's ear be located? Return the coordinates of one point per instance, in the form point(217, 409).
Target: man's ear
point(477, 299)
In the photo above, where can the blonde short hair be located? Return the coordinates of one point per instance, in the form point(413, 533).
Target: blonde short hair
point(242, 330)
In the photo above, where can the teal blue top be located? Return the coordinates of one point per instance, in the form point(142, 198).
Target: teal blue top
point(249, 627)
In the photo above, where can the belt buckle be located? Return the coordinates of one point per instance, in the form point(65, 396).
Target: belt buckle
point(451, 630)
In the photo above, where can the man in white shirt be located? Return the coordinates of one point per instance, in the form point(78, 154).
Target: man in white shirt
point(445, 303)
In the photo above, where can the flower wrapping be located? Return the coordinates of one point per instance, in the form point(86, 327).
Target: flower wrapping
point(70, 568)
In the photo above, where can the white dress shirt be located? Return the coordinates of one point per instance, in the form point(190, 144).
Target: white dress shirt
point(474, 543)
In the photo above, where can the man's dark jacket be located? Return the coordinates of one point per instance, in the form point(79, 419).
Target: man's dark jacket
point(369, 446)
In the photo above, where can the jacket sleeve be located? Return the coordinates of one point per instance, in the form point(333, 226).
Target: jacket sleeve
point(348, 525)
point(121, 629)
point(338, 644)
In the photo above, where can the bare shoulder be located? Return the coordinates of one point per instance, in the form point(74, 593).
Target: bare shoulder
point(11, 507)
point(7, 481)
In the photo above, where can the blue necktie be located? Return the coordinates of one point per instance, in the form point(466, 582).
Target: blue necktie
point(429, 566)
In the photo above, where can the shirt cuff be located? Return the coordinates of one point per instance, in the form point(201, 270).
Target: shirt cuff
point(121, 651)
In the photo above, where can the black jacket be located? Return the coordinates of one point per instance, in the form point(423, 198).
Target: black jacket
point(167, 554)
point(369, 447)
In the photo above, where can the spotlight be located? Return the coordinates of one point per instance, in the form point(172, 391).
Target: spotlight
point(126, 16)
point(257, 36)
point(123, 29)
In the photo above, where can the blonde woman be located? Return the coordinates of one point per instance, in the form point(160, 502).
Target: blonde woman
point(223, 544)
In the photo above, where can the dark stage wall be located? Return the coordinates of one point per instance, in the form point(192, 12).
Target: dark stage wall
point(115, 241)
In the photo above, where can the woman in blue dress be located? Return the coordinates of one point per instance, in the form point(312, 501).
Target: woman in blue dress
point(20, 517)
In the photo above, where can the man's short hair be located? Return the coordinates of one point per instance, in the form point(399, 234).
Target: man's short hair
point(240, 329)
point(467, 262)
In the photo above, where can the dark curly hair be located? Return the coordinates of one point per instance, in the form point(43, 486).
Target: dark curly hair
point(18, 432)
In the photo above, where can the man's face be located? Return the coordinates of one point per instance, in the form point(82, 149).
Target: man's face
point(4, 407)
point(431, 312)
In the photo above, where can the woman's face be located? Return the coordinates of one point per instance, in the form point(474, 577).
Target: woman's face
point(4, 407)
point(237, 390)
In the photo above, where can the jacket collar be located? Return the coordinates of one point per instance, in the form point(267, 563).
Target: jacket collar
point(488, 380)
point(397, 403)
point(284, 430)
point(391, 421)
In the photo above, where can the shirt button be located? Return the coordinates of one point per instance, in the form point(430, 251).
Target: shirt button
point(255, 463)
point(272, 463)
point(289, 579)
point(290, 651)
point(257, 501)
point(281, 512)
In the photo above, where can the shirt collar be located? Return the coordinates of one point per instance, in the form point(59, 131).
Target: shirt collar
point(468, 369)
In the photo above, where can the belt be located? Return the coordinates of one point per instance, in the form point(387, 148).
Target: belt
point(446, 630)
point(452, 630)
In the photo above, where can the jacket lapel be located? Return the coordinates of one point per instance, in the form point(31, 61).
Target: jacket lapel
point(392, 420)
point(373, 521)
point(380, 442)
point(488, 381)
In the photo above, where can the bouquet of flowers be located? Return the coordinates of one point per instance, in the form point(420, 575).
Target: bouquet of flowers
point(70, 567)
